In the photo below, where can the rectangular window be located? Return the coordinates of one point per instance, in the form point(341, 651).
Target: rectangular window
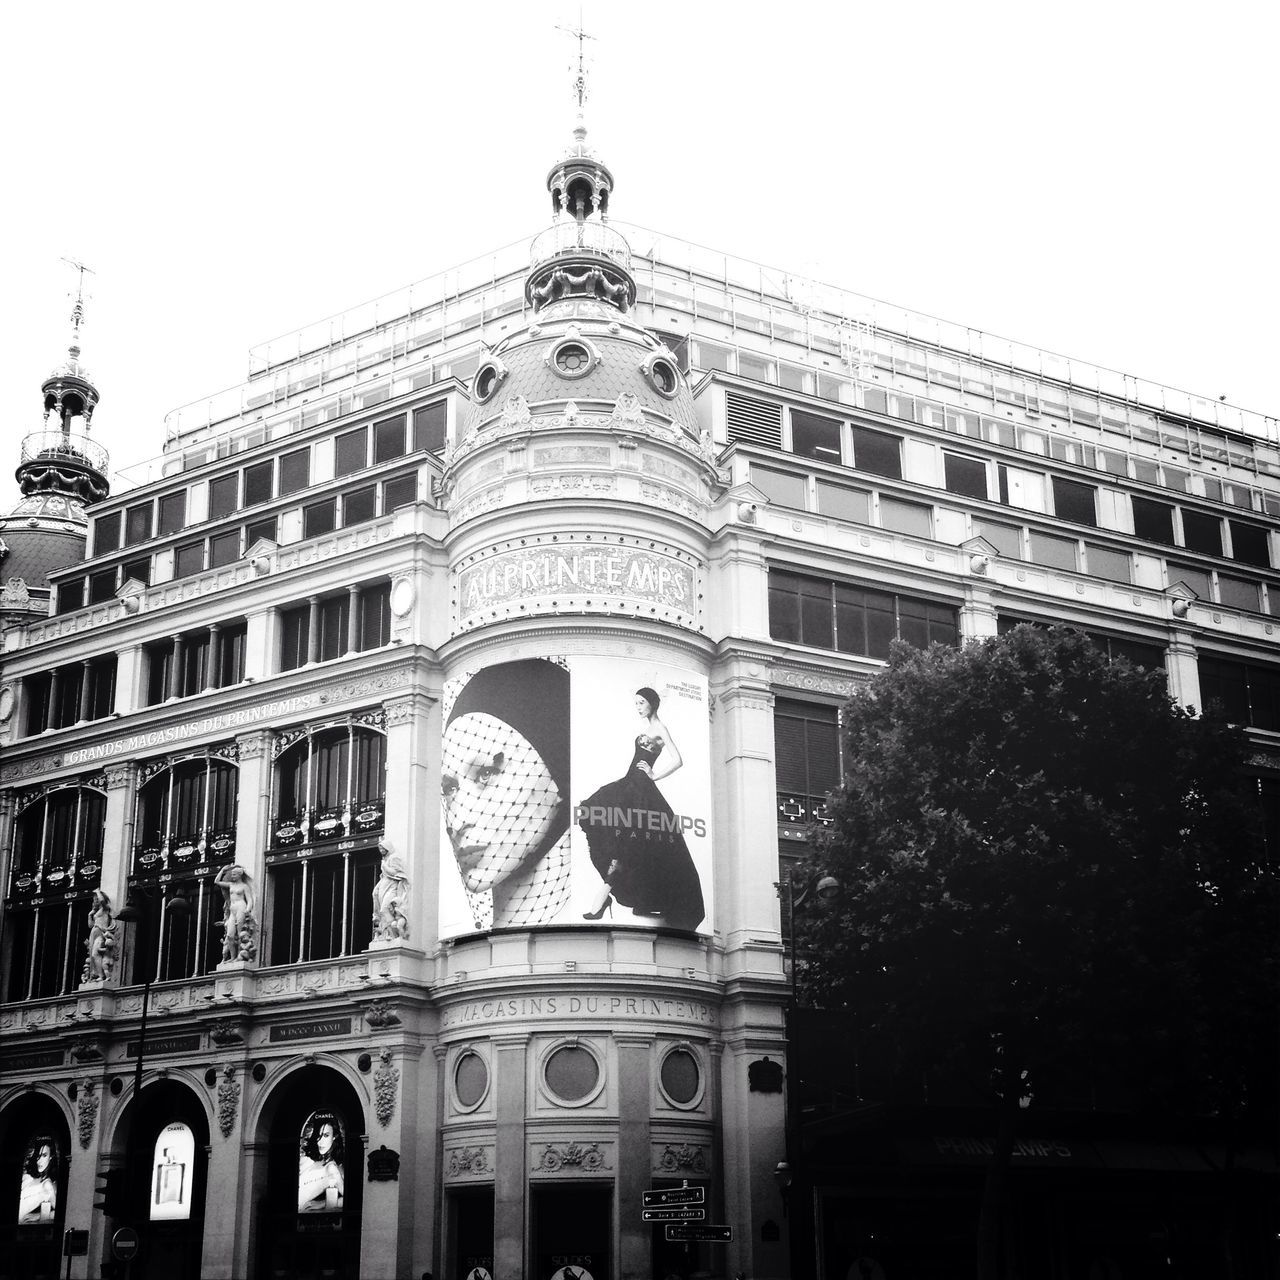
point(224, 548)
point(100, 697)
point(1114, 566)
point(388, 439)
point(1056, 553)
point(1201, 532)
point(844, 504)
point(257, 483)
point(800, 610)
point(188, 559)
point(375, 616)
point(429, 427)
point(1246, 693)
point(1238, 593)
point(906, 517)
point(1006, 538)
point(231, 645)
point(295, 471)
point(260, 529)
point(1249, 543)
point(102, 586)
point(877, 453)
point(965, 476)
point(1153, 520)
point(815, 437)
point(318, 518)
point(399, 491)
point(806, 744)
point(295, 633)
point(1197, 579)
point(351, 451)
point(71, 595)
point(333, 618)
point(780, 487)
point(137, 524)
point(106, 533)
point(159, 656)
point(224, 495)
point(137, 570)
point(359, 505)
point(1074, 501)
point(173, 512)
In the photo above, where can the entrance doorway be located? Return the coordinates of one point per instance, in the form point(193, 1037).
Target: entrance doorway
point(471, 1233)
point(572, 1231)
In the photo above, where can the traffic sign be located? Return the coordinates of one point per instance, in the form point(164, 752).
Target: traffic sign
point(674, 1195)
point(124, 1244)
point(75, 1244)
point(696, 1213)
point(705, 1231)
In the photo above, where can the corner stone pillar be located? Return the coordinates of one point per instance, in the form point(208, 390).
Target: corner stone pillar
point(634, 1153)
point(978, 620)
point(510, 1157)
point(1184, 671)
point(117, 832)
point(413, 803)
point(226, 1236)
point(252, 817)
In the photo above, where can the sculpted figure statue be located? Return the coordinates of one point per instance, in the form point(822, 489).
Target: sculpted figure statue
point(391, 898)
point(239, 925)
point(101, 961)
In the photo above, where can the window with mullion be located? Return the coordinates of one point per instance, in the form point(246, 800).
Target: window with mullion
point(807, 758)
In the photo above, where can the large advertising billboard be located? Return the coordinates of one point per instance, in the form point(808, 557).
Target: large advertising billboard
point(38, 1192)
point(172, 1165)
point(574, 791)
point(321, 1157)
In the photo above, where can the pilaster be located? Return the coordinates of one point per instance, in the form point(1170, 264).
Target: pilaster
point(1184, 670)
point(635, 1092)
point(413, 803)
point(509, 1156)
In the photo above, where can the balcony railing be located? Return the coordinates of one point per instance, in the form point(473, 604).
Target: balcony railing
point(212, 847)
point(349, 820)
point(55, 446)
point(565, 239)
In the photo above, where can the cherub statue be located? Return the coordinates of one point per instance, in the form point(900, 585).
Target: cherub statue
point(101, 961)
point(391, 897)
point(239, 926)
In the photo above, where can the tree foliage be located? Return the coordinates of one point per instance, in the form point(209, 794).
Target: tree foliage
point(1051, 881)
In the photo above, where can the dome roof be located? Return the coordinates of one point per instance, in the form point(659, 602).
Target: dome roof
point(585, 352)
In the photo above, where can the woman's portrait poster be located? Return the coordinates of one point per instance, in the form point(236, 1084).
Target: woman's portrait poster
point(642, 795)
point(38, 1190)
point(322, 1152)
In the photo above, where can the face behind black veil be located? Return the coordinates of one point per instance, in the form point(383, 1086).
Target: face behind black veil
point(532, 696)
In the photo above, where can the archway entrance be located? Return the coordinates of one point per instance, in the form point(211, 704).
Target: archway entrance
point(35, 1149)
point(308, 1225)
point(164, 1182)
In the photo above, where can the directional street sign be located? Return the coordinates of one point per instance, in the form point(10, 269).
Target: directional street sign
point(705, 1231)
point(674, 1195)
point(692, 1214)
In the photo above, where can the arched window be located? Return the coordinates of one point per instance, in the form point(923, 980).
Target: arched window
point(184, 830)
point(55, 865)
point(330, 784)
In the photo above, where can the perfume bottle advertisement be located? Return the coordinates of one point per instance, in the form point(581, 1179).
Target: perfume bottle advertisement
point(171, 1173)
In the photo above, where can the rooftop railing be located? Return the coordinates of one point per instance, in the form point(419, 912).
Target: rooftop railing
point(568, 237)
point(53, 446)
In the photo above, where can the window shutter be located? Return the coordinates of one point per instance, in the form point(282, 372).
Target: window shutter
point(754, 421)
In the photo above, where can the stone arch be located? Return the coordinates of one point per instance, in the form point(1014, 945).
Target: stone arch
point(37, 1142)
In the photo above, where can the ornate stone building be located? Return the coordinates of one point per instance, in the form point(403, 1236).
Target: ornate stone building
point(397, 786)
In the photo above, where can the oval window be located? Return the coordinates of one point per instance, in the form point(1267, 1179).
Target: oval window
point(486, 382)
point(572, 359)
point(681, 1077)
point(665, 377)
point(470, 1080)
point(572, 1073)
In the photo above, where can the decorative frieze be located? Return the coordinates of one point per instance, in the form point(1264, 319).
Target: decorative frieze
point(468, 1162)
point(572, 1158)
point(683, 1160)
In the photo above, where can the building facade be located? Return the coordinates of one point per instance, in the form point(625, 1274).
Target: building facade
point(399, 776)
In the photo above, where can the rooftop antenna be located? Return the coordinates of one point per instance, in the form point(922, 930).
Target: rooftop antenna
point(77, 311)
point(580, 34)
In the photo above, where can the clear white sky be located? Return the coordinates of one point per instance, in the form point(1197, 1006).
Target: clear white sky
point(1098, 179)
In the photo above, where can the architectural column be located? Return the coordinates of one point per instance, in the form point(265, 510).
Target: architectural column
point(313, 628)
point(260, 643)
point(177, 656)
point(412, 806)
point(212, 676)
point(117, 836)
point(226, 1234)
point(253, 800)
point(353, 620)
point(978, 619)
point(510, 1157)
point(1184, 670)
point(83, 712)
point(51, 708)
point(129, 677)
point(635, 1155)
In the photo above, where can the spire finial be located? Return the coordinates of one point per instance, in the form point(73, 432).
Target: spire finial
point(77, 311)
point(580, 34)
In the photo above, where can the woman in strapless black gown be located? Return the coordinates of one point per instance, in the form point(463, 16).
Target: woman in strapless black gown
point(636, 840)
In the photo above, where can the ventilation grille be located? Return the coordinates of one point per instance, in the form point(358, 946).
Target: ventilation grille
point(754, 421)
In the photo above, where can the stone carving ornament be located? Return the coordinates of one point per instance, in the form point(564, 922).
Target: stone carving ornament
point(87, 1112)
point(557, 1156)
point(682, 1159)
point(385, 1082)
point(468, 1160)
point(239, 924)
point(228, 1100)
point(100, 963)
point(391, 898)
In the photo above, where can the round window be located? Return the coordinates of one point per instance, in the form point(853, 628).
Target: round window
point(470, 1080)
point(664, 377)
point(572, 359)
point(572, 1073)
point(681, 1078)
point(486, 382)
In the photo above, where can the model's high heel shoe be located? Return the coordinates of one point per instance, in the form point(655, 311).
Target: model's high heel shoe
point(606, 905)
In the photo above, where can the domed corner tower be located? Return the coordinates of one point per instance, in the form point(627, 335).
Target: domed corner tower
point(581, 417)
point(61, 472)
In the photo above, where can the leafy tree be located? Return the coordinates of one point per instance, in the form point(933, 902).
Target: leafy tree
point(1052, 890)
